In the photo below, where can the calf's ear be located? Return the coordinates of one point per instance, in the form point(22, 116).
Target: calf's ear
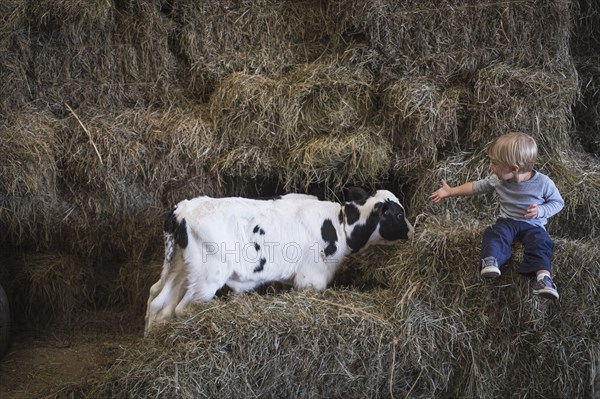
point(356, 194)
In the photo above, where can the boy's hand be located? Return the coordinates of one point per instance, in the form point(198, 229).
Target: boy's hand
point(532, 212)
point(443, 192)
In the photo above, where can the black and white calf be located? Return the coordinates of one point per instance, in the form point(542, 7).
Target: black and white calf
point(243, 243)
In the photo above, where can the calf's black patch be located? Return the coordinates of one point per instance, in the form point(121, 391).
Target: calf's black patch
point(259, 230)
point(177, 229)
point(329, 235)
point(260, 266)
point(361, 233)
point(352, 213)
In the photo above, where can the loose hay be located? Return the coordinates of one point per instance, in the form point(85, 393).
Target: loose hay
point(437, 330)
point(29, 202)
point(425, 119)
point(57, 286)
point(493, 337)
point(301, 344)
point(456, 38)
point(266, 36)
point(529, 100)
point(362, 158)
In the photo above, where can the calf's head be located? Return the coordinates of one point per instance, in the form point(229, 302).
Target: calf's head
point(374, 219)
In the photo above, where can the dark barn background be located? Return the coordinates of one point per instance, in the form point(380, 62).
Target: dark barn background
point(111, 111)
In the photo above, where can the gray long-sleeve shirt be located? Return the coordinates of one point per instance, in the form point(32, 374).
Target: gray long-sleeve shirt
point(515, 198)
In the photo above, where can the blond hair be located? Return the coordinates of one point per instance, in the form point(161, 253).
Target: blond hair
point(514, 149)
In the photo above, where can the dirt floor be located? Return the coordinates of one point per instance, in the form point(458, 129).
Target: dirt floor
point(40, 362)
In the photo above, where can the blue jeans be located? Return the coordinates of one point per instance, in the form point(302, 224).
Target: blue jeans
point(537, 245)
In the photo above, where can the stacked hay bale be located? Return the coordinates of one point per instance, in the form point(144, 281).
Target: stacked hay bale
point(218, 38)
point(434, 331)
point(453, 38)
point(99, 54)
point(112, 111)
point(312, 126)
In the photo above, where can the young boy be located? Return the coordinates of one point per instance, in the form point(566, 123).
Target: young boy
point(527, 199)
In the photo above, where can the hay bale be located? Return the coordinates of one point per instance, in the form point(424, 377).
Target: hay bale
point(529, 100)
point(578, 179)
point(586, 28)
point(146, 162)
point(300, 344)
point(248, 109)
point(151, 150)
point(248, 162)
point(425, 118)
point(362, 158)
point(54, 286)
point(265, 37)
point(100, 54)
point(496, 336)
point(30, 204)
point(324, 97)
point(99, 194)
point(456, 169)
point(14, 47)
point(313, 125)
point(457, 38)
point(330, 96)
point(11, 14)
point(436, 330)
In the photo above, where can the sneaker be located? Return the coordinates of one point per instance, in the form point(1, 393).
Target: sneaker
point(545, 288)
point(489, 267)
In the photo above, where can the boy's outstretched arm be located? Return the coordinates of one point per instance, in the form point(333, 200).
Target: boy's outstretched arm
point(446, 191)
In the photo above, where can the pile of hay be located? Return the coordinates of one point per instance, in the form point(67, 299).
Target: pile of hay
point(523, 99)
point(29, 197)
point(456, 38)
point(100, 54)
point(425, 118)
point(433, 329)
point(97, 184)
point(218, 38)
point(312, 125)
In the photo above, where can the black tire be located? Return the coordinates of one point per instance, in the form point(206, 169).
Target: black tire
point(4, 322)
